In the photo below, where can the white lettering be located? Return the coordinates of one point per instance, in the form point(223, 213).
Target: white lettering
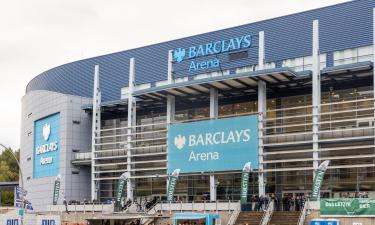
point(46, 160)
point(50, 147)
point(203, 156)
point(220, 137)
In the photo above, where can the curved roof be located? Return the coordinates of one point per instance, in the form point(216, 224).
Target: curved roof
point(342, 26)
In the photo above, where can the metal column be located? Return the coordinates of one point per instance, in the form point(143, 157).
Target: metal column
point(130, 125)
point(170, 66)
point(171, 108)
point(315, 93)
point(373, 55)
point(96, 110)
point(214, 113)
point(262, 107)
point(171, 101)
point(170, 98)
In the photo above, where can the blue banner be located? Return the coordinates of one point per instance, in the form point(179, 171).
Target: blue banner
point(47, 146)
point(213, 145)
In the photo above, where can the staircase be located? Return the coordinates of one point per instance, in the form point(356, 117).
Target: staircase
point(249, 218)
point(284, 218)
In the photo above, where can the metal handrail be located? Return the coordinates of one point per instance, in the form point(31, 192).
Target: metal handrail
point(302, 216)
point(268, 214)
point(233, 217)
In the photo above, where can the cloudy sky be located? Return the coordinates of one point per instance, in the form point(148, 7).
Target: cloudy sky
point(40, 34)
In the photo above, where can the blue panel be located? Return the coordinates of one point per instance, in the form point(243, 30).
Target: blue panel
point(213, 145)
point(47, 146)
point(342, 26)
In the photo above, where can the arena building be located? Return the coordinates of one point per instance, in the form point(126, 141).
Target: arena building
point(284, 94)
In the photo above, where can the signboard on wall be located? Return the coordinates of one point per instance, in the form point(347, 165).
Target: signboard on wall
point(46, 146)
point(213, 145)
point(195, 53)
point(347, 207)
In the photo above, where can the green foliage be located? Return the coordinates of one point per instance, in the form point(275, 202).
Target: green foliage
point(8, 172)
point(8, 165)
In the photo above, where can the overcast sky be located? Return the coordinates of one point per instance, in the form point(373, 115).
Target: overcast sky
point(37, 35)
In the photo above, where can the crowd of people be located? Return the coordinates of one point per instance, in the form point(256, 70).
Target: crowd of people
point(287, 203)
point(145, 204)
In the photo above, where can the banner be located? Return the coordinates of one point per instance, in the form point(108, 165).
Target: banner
point(318, 179)
point(213, 145)
point(347, 207)
point(172, 181)
point(47, 146)
point(245, 182)
point(120, 188)
point(56, 190)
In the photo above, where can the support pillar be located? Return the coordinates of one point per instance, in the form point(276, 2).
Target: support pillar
point(171, 109)
point(96, 111)
point(262, 103)
point(262, 107)
point(171, 100)
point(170, 67)
point(214, 113)
point(315, 93)
point(373, 60)
point(131, 123)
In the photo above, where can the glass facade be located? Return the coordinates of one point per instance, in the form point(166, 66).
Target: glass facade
point(345, 114)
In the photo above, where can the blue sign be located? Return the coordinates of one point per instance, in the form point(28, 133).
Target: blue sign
point(213, 145)
point(48, 222)
point(47, 146)
point(208, 49)
point(12, 222)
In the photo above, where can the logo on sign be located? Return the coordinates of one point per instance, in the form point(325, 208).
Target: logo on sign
point(46, 131)
point(179, 141)
point(179, 54)
point(210, 49)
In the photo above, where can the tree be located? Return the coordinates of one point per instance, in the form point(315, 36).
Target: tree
point(9, 171)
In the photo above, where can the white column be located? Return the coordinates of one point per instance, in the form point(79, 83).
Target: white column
point(262, 107)
point(261, 51)
point(96, 101)
point(373, 55)
point(262, 104)
point(315, 93)
point(214, 113)
point(131, 123)
point(170, 66)
point(171, 109)
point(214, 102)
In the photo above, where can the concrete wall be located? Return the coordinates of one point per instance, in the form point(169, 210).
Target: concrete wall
point(39, 104)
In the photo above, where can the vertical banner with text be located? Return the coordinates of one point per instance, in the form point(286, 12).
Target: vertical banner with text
point(56, 190)
point(245, 182)
point(172, 181)
point(120, 188)
point(318, 180)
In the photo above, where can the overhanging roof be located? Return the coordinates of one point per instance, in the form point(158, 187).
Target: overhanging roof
point(248, 80)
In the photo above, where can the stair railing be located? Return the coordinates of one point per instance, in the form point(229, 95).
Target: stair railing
point(268, 214)
point(234, 215)
point(302, 216)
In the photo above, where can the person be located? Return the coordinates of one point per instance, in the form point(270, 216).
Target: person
point(66, 205)
point(259, 203)
point(285, 203)
point(253, 201)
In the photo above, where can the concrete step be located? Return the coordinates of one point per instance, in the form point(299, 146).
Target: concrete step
point(249, 218)
point(284, 218)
